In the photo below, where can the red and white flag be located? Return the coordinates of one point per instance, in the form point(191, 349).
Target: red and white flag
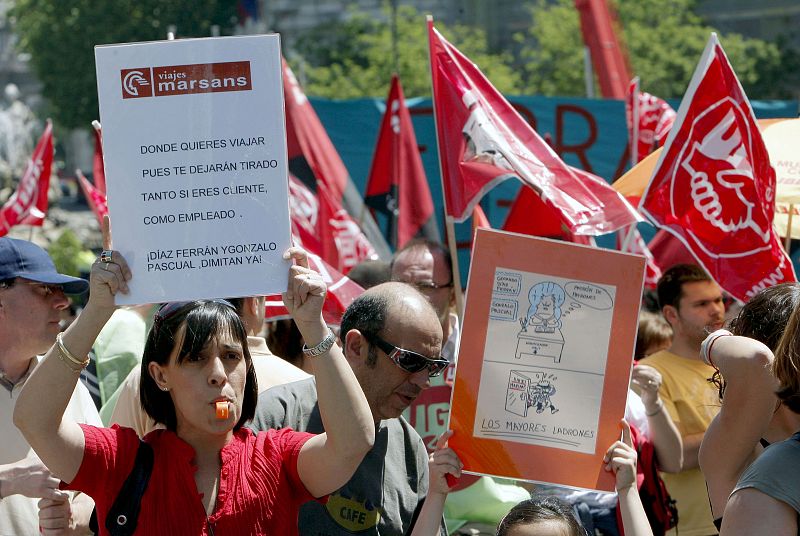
point(28, 204)
point(314, 160)
point(343, 243)
point(649, 121)
point(341, 293)
point(96, 199)
point(396, 185)
point(483, 140)
point(323, 227)
point(713, 186)
point(98, 171)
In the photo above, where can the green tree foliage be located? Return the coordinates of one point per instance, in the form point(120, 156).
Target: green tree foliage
point(61, 35)
point(664, 39)
point(353, 57)
point(66, 252)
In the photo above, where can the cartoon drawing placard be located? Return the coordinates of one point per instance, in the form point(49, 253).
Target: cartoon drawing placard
point(545, 358)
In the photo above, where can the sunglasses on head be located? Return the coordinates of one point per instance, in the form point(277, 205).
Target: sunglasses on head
point(406, 359)
point(168, 309)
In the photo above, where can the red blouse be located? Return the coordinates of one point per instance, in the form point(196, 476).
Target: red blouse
point(259, 492)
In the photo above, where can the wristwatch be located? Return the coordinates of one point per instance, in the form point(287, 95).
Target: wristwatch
point(322, 347)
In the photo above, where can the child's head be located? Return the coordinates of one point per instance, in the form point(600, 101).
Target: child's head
point(653, 334)
point(540, 516)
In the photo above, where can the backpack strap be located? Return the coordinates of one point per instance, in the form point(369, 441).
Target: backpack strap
point(123, 515)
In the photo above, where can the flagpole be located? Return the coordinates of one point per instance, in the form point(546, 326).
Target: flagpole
point(628, 237)
point(448, 220)
point(787, 245)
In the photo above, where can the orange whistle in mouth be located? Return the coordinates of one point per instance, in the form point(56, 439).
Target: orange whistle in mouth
point(222, 410)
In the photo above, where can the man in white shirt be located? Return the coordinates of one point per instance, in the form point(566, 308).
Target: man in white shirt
point(32, 296)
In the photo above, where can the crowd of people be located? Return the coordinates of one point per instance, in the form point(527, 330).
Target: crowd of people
point(214, 422)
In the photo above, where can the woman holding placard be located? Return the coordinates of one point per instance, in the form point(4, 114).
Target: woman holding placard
point(205, 473)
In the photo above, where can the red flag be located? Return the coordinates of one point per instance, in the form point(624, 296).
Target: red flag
point(324, 228)
point(313, 158)
point(532, 216)
point(95, 198)
point(714, 188)
point(343, 243)
point(341, 293)
point(98, 172)
point(483, 140)
point(649, 121)
point(304, 211)
point(396, 185)
point(28, 204)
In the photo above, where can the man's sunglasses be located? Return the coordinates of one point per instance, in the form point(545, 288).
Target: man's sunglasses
point(406, 359)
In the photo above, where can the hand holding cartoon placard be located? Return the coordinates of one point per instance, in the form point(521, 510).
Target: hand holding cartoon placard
point(195, 163)
point(542, 378)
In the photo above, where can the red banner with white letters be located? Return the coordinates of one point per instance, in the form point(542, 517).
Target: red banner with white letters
point(28, 204)
point(714, 187)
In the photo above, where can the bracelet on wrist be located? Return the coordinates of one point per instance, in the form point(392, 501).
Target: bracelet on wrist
point(68, 358)
point(708, 345)
point(322, 347)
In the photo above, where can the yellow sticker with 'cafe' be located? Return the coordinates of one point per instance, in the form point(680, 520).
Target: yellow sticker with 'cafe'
point(352, 515)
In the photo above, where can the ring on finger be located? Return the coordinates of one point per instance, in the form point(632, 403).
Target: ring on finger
point(106, 256)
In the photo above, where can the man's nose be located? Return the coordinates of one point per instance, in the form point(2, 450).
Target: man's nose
point(59, 300)
point(421, 379)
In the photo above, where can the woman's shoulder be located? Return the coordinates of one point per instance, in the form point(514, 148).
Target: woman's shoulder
point(779, 463)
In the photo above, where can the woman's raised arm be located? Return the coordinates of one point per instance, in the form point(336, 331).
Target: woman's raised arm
point(39, 412)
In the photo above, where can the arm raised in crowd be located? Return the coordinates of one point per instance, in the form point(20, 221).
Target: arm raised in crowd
point(747, 408)
point(327, 461)
point(39, 412)
point(665, 436)
point(442, 462)
point(621, 459)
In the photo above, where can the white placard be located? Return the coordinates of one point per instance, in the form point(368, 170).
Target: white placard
point(194, 145)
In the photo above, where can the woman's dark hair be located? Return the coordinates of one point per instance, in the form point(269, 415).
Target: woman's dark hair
point(538, 509)
point(764, 318)
point(204, 320)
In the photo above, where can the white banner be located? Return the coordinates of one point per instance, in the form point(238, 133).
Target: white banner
point(195, 160)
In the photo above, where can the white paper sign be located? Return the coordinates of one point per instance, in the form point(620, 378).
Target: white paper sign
point(547, 336)
point(194, 145)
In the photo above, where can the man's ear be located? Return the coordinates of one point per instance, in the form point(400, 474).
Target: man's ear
point(670, 313)
point(356, 346)
point(248, 305)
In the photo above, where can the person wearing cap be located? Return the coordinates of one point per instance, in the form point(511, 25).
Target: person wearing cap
point(32, 296)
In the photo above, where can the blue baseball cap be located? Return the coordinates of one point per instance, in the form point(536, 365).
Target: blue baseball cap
point(20, 258)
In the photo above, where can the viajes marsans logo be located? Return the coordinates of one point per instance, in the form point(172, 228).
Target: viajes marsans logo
point(171, 80)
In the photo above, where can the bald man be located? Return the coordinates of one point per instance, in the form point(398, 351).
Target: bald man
point(392, 340)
